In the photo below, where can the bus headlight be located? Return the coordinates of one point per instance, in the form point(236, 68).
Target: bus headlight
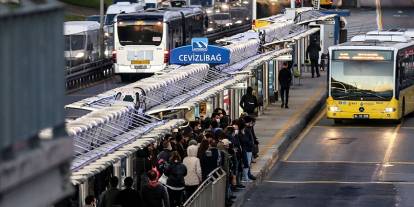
point(389, 110)
point(334, 109)
point(80, 55)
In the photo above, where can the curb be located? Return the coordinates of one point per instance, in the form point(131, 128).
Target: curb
point(290, 136)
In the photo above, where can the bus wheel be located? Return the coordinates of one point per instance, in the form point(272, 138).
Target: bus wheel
point(338, 121)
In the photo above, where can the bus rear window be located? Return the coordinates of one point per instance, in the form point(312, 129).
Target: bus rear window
point(140, 32)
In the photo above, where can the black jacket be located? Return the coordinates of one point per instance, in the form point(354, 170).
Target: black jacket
point(155, 196)
point(246, 140)
point(248, 103)
point(285, 77)
point(176, 173)
point(212, 159)
point(312, 52)
point(129, 198)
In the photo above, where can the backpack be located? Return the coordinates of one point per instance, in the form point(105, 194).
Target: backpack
point(249, 103)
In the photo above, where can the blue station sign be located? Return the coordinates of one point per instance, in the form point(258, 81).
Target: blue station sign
point(200, 52)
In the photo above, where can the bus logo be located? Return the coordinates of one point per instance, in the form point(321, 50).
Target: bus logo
point(199, 44)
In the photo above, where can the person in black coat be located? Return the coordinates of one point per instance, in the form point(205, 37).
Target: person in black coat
point(249, 102)
point(176, 171)
point(211, 159)
point(129, 197)
point(247, 145)
point(285, 78)
point(312, 52)
point(154, 194)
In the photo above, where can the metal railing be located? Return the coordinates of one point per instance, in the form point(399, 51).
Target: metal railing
point(212, 192)
point(87, 73)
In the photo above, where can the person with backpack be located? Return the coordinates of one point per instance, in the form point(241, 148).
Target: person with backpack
point(312, 52)
point(155, 194)
point(211, 159)
point(249, 102)
point(285, 79)
point(176, 171)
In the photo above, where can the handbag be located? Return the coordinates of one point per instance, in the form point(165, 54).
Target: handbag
point(163, 179)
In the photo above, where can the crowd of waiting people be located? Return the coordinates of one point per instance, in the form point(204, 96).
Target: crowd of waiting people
point(185, 158)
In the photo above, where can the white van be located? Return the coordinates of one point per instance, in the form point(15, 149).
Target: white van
point(81, 42)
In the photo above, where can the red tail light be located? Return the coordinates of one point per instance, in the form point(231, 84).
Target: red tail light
point(166, 56)
point(114, 56)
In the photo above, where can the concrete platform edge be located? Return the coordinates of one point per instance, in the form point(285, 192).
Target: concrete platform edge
point(292, 133)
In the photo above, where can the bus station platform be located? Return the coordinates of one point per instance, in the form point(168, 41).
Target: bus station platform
point(278, 127)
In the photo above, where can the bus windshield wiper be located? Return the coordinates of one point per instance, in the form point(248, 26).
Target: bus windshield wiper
point(340, 83)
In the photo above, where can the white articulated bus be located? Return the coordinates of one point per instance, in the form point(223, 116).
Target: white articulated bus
point(143, 40)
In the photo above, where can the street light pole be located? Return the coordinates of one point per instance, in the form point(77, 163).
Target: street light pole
point(101, 32)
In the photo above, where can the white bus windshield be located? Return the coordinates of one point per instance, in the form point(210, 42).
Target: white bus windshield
point(362, 75)
point(140, 32)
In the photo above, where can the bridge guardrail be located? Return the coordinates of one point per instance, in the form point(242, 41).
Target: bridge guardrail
point(88, 73)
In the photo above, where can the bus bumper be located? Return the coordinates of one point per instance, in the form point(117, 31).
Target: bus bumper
point(126, 69)
point(340, 109)
point(357, 115)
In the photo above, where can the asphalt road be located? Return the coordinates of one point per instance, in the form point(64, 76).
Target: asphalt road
point(353, 164)
point(398, 18)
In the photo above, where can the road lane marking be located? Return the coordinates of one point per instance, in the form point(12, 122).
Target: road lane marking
point(357, 127)
point(329, 162)
point(407, 127)
point(391, 144)
point(292, 120)
point(346, 162)
point(303, 134)
point(386, 161)
point(379, 14)
point(338, 182)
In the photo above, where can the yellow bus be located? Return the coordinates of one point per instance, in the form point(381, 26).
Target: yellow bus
point(258, 23)
point(326, 3)
point(372, 77)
